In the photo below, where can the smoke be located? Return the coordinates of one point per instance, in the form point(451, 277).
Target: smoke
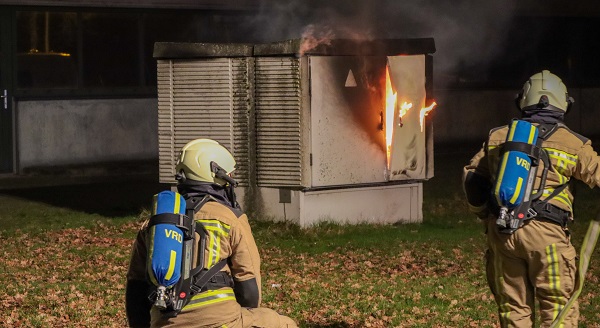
point(313, 37)
point(467, 33)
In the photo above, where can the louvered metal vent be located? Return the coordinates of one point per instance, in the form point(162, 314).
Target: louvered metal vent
point(202, 99)
point(278, 121)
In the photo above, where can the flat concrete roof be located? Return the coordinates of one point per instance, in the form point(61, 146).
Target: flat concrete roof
point(296, 47)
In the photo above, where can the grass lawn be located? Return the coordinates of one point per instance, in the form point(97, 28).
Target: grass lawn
point(64, 254)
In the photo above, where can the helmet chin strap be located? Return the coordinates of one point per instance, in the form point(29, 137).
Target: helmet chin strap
point(222, 174)
point(216, 169)
point(180, 176)
point(231, 183)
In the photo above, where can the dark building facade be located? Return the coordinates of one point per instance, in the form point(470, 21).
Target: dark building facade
point(78, 80)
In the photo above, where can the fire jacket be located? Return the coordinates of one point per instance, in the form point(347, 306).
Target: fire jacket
point(571, 156)
point(229, 236)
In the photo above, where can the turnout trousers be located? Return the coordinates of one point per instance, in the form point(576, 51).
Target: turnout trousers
point(537, 262)
point(224, 315)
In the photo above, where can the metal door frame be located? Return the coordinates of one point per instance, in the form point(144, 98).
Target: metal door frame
point(7, 140)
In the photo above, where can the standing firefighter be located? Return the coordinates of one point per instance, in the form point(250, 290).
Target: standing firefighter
point(195, 263)
point(518, 184)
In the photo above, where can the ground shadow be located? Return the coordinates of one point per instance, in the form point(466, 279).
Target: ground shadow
point(107, 198)
point(124, 196)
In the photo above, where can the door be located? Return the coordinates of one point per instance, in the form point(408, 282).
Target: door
point(6, 113)
point(347, 139)
point(408, 151)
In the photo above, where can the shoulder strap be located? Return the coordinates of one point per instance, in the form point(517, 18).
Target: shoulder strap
point(200, 277)
point(549, 130)
point(194, 204)
point(554, 193)
point(192, 280)
point(532, 207)
point(545, 130)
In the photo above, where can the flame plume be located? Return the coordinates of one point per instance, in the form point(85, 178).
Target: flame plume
point(390, 107)
point(424, 112)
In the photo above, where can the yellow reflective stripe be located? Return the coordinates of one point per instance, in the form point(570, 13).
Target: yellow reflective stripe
point(532, 131)
point(210, 297)
point(513, 199)
point(212, 294)
point(154, 203)
point(562, 155)
point(559, 158)
point(562, 179)
point(503, 304)
point(172, 258)
point(177, 203)
point(214, 246)
point(513, 128)
point(562, 166)
point(561, 169)
point(562, 197)
point(564, 161)
point(554, 279)
point(217, 248)
point(216, 230)
point(217, 225)
point(150, 253)
point(500, 176)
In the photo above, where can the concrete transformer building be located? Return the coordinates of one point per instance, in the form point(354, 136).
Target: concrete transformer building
point(78, 88)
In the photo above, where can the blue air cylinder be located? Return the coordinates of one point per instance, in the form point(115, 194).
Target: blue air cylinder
point(165, 244)
point(514, 168)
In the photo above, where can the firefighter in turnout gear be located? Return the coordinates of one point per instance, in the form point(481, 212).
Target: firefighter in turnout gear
point(231, 295)
point(530, 256)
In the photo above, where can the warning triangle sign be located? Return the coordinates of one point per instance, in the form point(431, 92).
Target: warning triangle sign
point(350, 80)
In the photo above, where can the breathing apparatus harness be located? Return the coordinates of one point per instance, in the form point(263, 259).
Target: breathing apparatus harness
point(509, 220)
point(171, 300)
point(193, 281)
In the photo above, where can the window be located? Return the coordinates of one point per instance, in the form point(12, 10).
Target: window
point(80, 52)
point(110, 50)
point(46, 49)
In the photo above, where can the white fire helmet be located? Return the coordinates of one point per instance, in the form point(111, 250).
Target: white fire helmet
point(197, 162)
point(544, 90)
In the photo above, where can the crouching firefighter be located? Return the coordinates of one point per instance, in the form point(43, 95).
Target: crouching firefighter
point(518, 184)
point(194, 262)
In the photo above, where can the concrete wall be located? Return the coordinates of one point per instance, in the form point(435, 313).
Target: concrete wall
point(468, 115)
point(66, 132)
point(392, 203)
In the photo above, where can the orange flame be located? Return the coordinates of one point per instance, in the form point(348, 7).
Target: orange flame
point(391, 99)
point(390, 106)
point(424, 112)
